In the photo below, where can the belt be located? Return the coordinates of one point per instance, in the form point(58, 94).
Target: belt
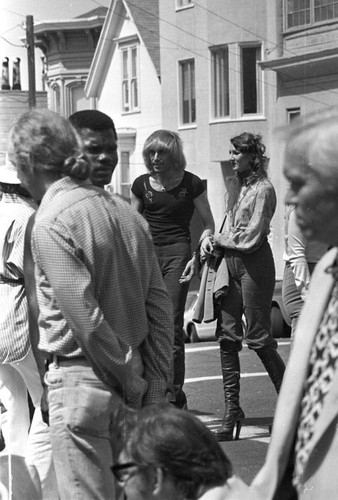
point(58, 360)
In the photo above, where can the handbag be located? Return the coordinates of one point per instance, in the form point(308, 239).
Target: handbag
point(214, 284)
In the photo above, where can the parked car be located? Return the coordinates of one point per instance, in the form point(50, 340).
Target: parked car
point(195, 332)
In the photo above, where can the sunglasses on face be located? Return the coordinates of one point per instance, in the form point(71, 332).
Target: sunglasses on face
point(123, 472)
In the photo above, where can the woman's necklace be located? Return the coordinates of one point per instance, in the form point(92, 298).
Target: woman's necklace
point(166, 184)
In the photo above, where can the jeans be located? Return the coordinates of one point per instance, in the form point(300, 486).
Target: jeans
point(82, 418)
point(172, 260)
point(251, 285)
point(25, 439)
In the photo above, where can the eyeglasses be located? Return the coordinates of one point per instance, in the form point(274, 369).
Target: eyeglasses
point(122, 473)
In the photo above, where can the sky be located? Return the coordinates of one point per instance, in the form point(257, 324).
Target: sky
point(12, 27)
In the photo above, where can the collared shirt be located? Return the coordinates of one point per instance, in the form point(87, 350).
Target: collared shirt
point(249, 210)
point(14, 333)
point(100, 290)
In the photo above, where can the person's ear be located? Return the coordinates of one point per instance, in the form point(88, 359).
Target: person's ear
point(158, 482)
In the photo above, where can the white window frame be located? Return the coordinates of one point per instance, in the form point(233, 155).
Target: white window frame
point(293, 114)
point(220, 82)
point(312, 14)
point(191, 88)
point(130, 79)
point(184, 4)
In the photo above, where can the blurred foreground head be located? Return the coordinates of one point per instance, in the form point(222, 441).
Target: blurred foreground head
point(97, 131)
point(311, 167)
point(170, 454)
point(45, 147)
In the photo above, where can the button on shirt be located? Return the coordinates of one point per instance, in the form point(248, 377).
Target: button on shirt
point(14, 334)
point(100, 290)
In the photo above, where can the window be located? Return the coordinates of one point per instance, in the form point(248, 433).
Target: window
point(220, 82)
point(187, 92)
point(303, 12)
point(130, 90)
point(251, 80)
point(57, 99)
point(293, 114)
point(78, 100)
point(183, 3)
point(125, 174)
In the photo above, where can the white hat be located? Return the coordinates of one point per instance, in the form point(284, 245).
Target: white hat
point(8, 172)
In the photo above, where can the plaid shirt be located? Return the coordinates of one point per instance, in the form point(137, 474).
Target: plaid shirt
point(99, 289)
point(14, 334)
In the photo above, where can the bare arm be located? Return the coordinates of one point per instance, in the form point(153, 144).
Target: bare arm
point(137, 203)
point(203, 209)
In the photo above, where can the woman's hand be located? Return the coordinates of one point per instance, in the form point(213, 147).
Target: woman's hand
point(189, 270)
point(207, 245)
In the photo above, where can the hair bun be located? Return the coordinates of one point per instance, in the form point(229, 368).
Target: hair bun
point(76, 166)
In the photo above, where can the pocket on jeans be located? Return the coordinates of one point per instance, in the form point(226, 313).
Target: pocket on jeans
point(90, 408)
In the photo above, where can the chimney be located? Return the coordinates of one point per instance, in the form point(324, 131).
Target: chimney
point(16, 74)
point(5, 75)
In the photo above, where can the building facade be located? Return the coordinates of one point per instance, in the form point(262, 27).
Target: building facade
point(125, 82)
point(242, 66)
point(68, 47)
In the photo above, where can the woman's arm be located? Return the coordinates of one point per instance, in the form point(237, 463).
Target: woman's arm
point(137, 203)
point(297, 257)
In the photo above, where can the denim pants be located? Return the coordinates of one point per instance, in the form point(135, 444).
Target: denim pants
point(251, 285)
point(82, 418)
point(172, 260)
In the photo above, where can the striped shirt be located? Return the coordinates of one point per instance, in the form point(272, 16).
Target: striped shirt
point(14, 333)
point(100, 290)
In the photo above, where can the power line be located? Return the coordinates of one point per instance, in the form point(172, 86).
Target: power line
point(311, 99)
point(13, 44)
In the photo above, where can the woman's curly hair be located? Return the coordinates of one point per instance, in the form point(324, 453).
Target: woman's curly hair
point(252, 144)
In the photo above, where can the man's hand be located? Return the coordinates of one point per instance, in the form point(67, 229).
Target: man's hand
point(189, 271)
point(44, 405)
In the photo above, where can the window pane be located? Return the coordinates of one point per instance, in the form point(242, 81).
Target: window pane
point(125, 63)
point(220, 89)
point(325, 9)
point(298, 12)
point(249, 80)
point(130, 88)
point(188, 101)
point(133, 62)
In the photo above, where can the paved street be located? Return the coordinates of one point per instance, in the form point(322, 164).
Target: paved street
point(258, 399)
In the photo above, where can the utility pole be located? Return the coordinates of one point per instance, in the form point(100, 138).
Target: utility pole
point(31, 61)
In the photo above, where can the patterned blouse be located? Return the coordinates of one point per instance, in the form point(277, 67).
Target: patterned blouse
point(15, 212)
point(249, 210)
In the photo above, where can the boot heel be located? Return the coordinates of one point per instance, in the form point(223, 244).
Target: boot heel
point(238, 429)
point(226, 431)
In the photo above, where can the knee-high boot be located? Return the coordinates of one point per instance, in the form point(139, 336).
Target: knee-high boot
point(233, 416)
point(273, 364)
